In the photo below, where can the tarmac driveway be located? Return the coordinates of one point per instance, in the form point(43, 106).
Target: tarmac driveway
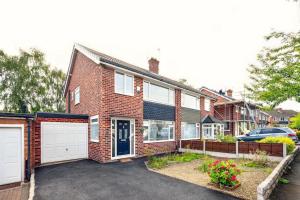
point(87, 179)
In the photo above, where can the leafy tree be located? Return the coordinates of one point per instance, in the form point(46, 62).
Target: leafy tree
point(295, 122)
point(28, 84)
point(277, 76)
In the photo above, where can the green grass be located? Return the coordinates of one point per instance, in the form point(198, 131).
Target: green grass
point(204, 165)
point(162, 162)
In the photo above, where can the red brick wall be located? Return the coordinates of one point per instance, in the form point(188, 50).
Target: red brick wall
point(36, 142)
point(97, 97)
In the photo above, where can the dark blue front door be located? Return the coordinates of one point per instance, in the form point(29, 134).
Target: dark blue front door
point(123, 137)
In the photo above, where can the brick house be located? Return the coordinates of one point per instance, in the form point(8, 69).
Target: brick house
point(238, 116)
point(133, 111)
point(280, 117)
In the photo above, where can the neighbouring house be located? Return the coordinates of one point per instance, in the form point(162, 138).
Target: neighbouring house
point(133, 111)
point(238, 116)
point(280, 117)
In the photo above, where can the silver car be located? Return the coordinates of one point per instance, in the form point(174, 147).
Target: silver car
point(260, 133)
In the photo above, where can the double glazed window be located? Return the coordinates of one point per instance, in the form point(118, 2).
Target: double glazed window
point(158, 94)
point(124, 84)
point(189, 101)
point(94, 128)
point(207, 104)
point(77, 95)
point(190, 130)
point(156, 130)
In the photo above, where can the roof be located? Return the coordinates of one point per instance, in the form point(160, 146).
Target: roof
point(105, 59)
point(217, 93)
point(61, 115)
point(16, 115)
point(282, 113)
point(209, 119)
point(235, 102)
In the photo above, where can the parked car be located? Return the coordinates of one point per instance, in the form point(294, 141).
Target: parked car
point(260, 133)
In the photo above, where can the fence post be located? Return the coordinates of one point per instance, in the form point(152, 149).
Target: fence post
point(284, 150)
point(204, 151)
point(180, 144)
point(237, 149)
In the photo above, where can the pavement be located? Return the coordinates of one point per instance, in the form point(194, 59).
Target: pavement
point(87, 180)
point(292, 189)
point(15, 193)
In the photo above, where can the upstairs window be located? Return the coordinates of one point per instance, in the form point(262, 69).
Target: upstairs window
point(189, 101)
point(94, 128)
point(158, 94)
point(207, 104)
point(77, 95)
point(124, 84)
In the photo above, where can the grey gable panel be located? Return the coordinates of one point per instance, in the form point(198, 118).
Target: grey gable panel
point(191, 115)
point(156, 111)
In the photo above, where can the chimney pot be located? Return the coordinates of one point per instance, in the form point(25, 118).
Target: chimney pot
point(153, 65)
point(229, 92)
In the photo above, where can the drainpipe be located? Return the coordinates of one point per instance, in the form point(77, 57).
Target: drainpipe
point(28, 168)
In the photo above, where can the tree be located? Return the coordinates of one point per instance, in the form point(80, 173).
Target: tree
point(295, 122)
point(277, 76)
point(28, 84)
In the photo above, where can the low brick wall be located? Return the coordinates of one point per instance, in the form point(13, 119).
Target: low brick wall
point(234, 148)
point(265, 188)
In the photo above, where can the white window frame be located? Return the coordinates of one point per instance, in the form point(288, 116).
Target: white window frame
point(197, 128)
point(197, 102)
point(124, 83)
point(91, 118)
point(207, 101)
point(77, 92)
point(171, 102)
point(155, 141)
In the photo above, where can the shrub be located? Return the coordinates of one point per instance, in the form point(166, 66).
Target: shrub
point(224, 173)
point(156, 162)
point(260, 159)
point(204, 167)
point(290, 144)
point(298, 134)
point(226, 138)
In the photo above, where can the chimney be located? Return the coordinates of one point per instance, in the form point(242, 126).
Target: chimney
point(153, 65)
point(229, 92)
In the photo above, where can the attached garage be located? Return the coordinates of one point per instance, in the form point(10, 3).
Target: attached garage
point(62, 141)
point(11, 153)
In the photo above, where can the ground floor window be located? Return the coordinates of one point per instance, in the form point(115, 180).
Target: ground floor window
point(210, 131)
point(190, 130)
point(157, 130)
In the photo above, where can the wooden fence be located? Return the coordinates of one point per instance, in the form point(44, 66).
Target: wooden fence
point(272, 149)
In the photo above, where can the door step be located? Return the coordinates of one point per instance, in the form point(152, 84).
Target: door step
point(125, 160)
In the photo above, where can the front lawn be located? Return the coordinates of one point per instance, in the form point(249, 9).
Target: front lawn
point(194, 168)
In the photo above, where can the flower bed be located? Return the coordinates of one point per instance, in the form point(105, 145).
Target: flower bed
point(196, 172)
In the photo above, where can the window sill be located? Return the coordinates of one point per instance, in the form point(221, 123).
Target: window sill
point(152, 101)
point(159, 141)
point(191, 139)
point(94, 141)
point(131, 95)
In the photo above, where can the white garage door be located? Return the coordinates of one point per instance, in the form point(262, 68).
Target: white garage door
point(63, 141)
point(10, 155)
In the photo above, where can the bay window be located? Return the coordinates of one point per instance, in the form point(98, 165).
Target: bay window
point(190, 130)
point(211, 130)
point(158, 94)
point(157, 130)
point(189, 101)
point(124, 84)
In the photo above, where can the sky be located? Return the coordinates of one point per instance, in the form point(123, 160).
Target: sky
point(209, 43)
